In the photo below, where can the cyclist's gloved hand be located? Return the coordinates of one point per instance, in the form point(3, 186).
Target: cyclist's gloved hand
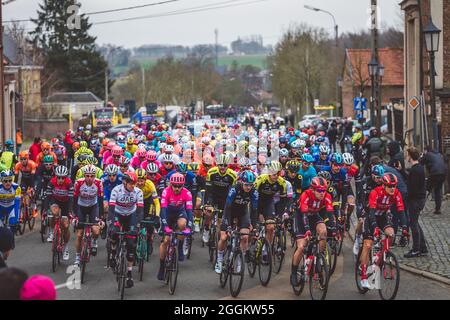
point(307, 234)
point(167, 230)
point(187, 231)
point(377, 232)
point(157, 223)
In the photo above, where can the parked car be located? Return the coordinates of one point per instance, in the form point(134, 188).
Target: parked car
point(116, 129)
point(307, 120)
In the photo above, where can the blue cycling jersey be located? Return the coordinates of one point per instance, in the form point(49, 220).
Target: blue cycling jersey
point(108, 186)
point(307, 176)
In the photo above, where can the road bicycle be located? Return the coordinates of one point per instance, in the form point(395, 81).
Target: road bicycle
point(121, 261)
point(383, 270)
point(86, 246)
point(144, 243)
point(171, 261)
point(233, 268)
point(213, 235)
point(260, 254)
point(279, 244)
point(28, 211)
point(313, 269)
point(58, 242)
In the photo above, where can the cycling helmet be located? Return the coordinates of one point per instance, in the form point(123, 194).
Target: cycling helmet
point(168, 157)
point(247, 176)
point(48, 159)
point(389, 179)
point(318, 183)
point(307, 158)
point(293, 165)
point(295, 144)
point(348, 158)
point(89, 169)
point(284, 152)
point(208, 160)
point(324, 174)
point(181, 167)
point(116, 151)
point(24, 155)
point(324, 149)
point(252, 149)
point(130, 141)
point(177, 179)
point(169, 149)
point(378, 170)
point(46, 146)
point(336, 158)
point(282, 140)
point(222, 159)
point(94, 142)
point(110, 145)
point(129, 177)
point(7, 174)
point(61, 171)
point(83, 144)
point(91, 160)
point(112, 170)
point(142, 146)
point(124, 161)
point(141, 153)
point(54, 141)
point(150, 156)
point(194, 166)
point(301, 144)
point(88, 127)
point(101, 135)
point(274, 167)
point(262, 150)
point(9, 143)
point(141, 174)
point(152, 168)
point(244, 162)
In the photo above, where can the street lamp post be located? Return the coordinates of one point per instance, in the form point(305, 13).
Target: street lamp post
point(373, 69)
point(380, 75)
point(432, 33)
point(339, 83)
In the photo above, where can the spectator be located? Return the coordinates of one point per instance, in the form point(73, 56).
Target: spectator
point(18, 141)
point(6, 245)
point(416, 203)
point(434, 162)
point(332, 136)
point(396, 157)
point(38, 288)
point(35, 148)
point(11, 282)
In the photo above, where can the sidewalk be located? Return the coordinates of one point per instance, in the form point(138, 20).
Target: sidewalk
point(436, 229)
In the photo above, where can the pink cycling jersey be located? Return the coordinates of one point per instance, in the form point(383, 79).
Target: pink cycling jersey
point(106, 155)
point(170, 200)
point(110, 160)
point(136, 163)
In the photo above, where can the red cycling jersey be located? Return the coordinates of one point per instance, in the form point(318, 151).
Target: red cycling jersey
point(382, 202)
point(308, 202)
point(60, 193)
point(87, 196)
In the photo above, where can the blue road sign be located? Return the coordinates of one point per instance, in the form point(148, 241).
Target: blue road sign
point(359, 103)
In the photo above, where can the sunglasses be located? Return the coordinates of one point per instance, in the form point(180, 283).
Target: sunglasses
point(167, 163)
point(60, 178)
point(222, 165)
point(248, 185)
point(89, 176)
point(112, 175)
point(320, 190)
point(306, 163)
point(23, 159)
point(7, 181)
point(389, 187)
point(177, 186)
point(48, 164)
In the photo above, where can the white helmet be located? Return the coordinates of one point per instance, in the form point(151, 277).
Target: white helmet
point(185, 139)
point(101, 135)
point(295, 144)
point(348, 158)
point(284, 152)
point(323, 148)
point(167, 158)
point(152, 168)
point(263, 150)
point(302, 143)
point(169, 148)
point(252, 149)
point(244, 162)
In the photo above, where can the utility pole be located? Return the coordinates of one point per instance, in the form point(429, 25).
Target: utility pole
point(143, 86)
point(1, 72)
point(307, 81)
point(376, 103)
point(106, 86)
point(216, 32)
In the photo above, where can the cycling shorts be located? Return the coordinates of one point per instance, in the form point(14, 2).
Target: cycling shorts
point(267, 209)
point(174, 214)
point(299, 225)
point(64, 206)
point(242, 216)
point(383, 222)
point(88, 214)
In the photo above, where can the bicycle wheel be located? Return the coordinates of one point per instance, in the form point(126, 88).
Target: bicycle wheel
point(358, 274)
point(31, 219)
point(149, 246)
point(44, 229)
point(237, 271)
point(334, 254)
point(264, 261)
point(84, 258)
point(225, 268)
point(188, 248)
point(173, 272)
point(318, 278)
point(328, 255)
point(278, 250)
point(251, 265)
point(55, 252)
point(389, 277)
point(212, 245)
point(301, 278)
point(23, 222)
point(122, 279)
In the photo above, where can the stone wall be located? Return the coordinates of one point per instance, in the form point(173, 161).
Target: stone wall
point(44, 128)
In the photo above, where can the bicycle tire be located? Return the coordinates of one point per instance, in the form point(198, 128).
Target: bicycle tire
point(278, 251)
point(23, 223)
point(44, 229)
point(391, 259)
point(149, 246)
point(84, 258)
point(212, 244)
point(251, 265)
point(173, 275)
point(358, 274)
point(54, 258)
point(122, 275)
point(236, 273)
point(264, 279)
point(189, 239)
point(31, 222)
point(225, 268)
point(319, 268)
point(334, 255)
point(301, 283)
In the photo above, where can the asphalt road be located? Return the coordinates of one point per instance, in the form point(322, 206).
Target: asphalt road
point(198, 281)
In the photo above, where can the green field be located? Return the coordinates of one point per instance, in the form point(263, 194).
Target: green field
point(254, 60)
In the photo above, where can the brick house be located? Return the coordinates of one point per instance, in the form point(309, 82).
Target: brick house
point(356, 79)
point(417, 66)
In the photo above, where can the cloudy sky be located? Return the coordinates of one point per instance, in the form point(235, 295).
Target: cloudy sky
point(268, 18)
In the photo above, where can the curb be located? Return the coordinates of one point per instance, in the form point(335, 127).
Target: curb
point(415, 271)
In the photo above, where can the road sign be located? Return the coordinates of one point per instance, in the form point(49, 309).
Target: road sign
point(359, 103)
point(414, 103)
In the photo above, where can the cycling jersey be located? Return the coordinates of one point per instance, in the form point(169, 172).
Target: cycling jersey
point(131, 149)
point(381, 202)
point(126, 202)
point(108, 186)
point(9, 196)
point(218, 185)
point(87, 196)
point(307, 175)
point(60, 193)
point(136, 163)
point(42, 177)
point(41, 155)
point(98, 173)
point(267, 189)
point(296, 183)
point(149, 190)
point(339, 179)
point(309, 204)
point(27, 172)
point(8, 158)
point(237, 205)
point(176, 204)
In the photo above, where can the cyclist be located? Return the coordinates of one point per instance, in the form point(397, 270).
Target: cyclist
point(116, 153)
point(307, 170)
point(150, 157)
point(139, 158)
point(125, 165)
point(268, 185)
point(352, 173)
point(126, 209)
point(131, 146)
point(322, 159)
point(110, 179)
point(296, 180)
point(46, 150)
point(10, 194)
point(154, 176)
point(242, 204)
point(84, 150)
point(60, 194)
point(60, 151)
point(27, 169)
point(7, 156)
point(149, 193)
point(90, 160)
point(379, 218)
point(87, 195)
point(284, 156)
point(313, 202)
point(44, 173)
point(168, 165)
point(176, 211)
point(218, 183)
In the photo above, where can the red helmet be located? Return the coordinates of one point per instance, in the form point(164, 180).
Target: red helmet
point(151, 155)
point(177, 178)
point(389, 179)
point(319, 183)
point(116, 151)
point(129, 177)
point(141, 153)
